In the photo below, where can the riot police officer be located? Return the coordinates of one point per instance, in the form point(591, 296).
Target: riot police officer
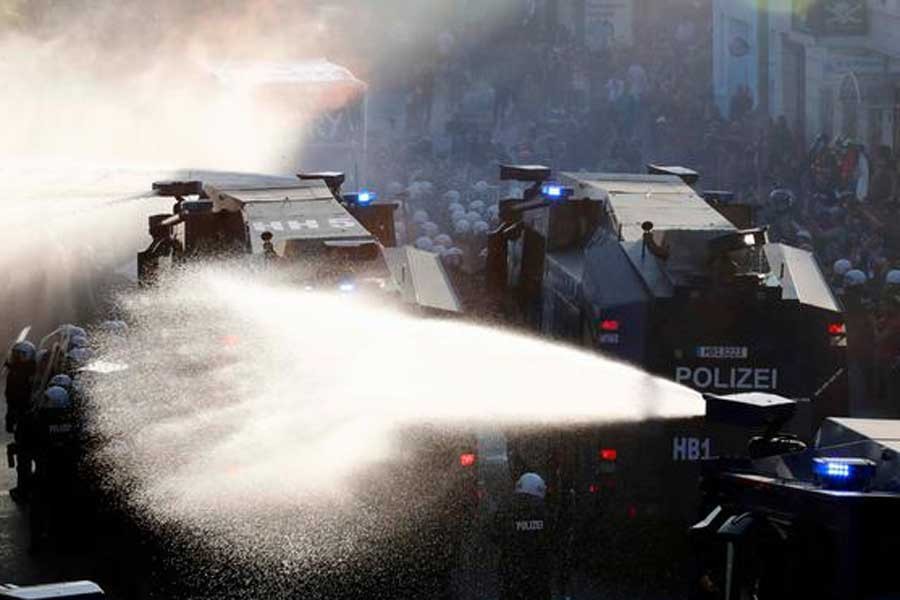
point(55, 441)
point(21, 366)
point(20, 372)
point(524, 533)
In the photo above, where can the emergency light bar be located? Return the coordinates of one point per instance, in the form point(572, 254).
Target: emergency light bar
point(361, 198)
point(554, 192)
point(852, 474)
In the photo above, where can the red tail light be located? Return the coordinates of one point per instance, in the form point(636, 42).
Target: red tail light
point(467, 459)
point(609, 454)
point(593, 488)
point(609, 325)
point(837, 329)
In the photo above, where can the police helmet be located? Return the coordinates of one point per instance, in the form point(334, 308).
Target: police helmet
point(452, 196)
point(439, 249)
point(462, 226)
point(80, 356)
point(78, 341)
point(420, 217)
point(453, 257)
point(430, 229)
point(892, 277)
point(455, 207)
point(480, 227)
point(56, 397)
point(424, 243)
point(481, 187)
point(476, 206)
point(532, 485)
point(841, 267)
point(473, 216)
point(23, 352)
point(854, 278)
point(61, 380)
point(444, 240)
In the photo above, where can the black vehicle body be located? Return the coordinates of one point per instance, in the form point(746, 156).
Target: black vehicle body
point(328, 240)
point(775, 526)
point(643, 269)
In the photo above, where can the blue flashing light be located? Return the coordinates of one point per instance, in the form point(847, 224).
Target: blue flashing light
point(365, 197)
point(555, 191)
point(833, 470)
point(844, 473)
point(347, 287)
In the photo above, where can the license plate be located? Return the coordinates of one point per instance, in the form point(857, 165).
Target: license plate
point(609, 338)
point(722, 352)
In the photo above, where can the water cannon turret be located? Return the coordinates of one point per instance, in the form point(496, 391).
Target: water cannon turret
point(754, 409)
point(537, 175)
point(333, 179)
point(688, 176)
point(530, 173)
point(178, 189)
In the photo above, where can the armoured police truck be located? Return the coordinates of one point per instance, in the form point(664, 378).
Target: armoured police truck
point(329, 239)
point(644, 269)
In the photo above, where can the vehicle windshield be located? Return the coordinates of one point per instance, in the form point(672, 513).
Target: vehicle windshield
point(457, 299)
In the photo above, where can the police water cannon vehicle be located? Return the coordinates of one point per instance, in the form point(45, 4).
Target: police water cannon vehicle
point(791, 521)
point(334, 241)
point(641, 267)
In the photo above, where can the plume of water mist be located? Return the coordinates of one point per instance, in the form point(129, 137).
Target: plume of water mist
point(247, 399)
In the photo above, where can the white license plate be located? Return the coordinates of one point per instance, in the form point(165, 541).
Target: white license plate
point(722, 352)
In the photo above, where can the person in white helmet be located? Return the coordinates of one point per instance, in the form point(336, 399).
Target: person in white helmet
point(524, 533)
point(444, 240)
point(840, 268)
point(424, 243)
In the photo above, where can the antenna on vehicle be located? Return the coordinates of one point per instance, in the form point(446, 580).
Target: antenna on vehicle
point(647, 226)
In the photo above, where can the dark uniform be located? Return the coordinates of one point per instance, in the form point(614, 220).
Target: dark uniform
point(524, 533)
point(19, 377)
point(56, 457)
point(18, 389)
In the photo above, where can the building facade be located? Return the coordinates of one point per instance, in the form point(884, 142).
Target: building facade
point(829, 66)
